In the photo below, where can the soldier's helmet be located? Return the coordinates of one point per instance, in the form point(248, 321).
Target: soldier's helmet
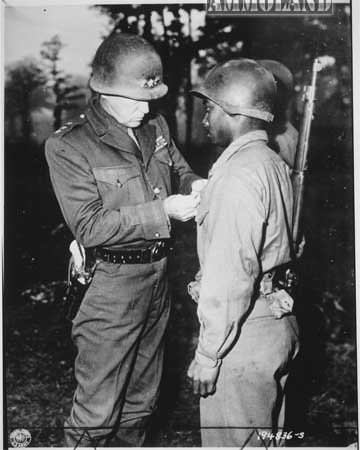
point(127, 65)
point(241, 86)
point(280, 72)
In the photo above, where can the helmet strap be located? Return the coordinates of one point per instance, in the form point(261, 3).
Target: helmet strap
point(255, 113)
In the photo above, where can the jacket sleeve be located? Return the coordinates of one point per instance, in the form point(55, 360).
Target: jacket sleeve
point(92, 224)
point(181, 167)
point(235, 224)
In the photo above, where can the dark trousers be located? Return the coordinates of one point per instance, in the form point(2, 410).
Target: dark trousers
point(119, 334)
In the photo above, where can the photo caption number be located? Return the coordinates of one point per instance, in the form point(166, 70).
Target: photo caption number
point(280, 435)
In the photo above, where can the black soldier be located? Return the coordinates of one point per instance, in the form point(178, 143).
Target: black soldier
point(248, 334)
point(111, 172)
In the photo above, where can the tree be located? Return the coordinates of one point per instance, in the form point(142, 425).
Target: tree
point(59, 82)
point(169, 30)
point(22, 79)
point(182, 39)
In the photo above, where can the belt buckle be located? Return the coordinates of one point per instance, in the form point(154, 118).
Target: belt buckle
point(155, 250)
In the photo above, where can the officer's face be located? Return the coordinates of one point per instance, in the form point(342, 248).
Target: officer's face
point(217, 124)
point(126, 111)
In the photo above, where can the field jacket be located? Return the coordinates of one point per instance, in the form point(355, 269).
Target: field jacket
point(110, 194)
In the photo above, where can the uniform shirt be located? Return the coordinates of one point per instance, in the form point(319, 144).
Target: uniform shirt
point(111, 193)
point(243, 221)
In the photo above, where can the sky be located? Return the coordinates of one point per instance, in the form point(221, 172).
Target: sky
point(80, 29)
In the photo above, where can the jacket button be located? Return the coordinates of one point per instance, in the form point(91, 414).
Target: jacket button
point(157, 190)
point(157, 235)
point(82, 116)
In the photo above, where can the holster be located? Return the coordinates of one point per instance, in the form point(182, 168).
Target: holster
point(286, 278)
point(278, 287)
point(74, 295)
point(79, 278)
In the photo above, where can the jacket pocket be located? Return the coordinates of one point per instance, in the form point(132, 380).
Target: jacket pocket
point(119, 185)
point(117, 176)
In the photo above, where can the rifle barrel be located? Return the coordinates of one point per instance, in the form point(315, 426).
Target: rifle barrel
point(300, 164)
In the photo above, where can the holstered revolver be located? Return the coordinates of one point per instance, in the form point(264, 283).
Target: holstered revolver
point(278, 287)
point(80, 273)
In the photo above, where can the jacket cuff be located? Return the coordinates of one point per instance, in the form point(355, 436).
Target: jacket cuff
point(154, 220)
point(206, 361)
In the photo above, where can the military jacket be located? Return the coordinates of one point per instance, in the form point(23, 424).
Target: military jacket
point(244, 223)
point(110, 193)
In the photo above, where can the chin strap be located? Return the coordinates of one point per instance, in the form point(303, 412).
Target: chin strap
point(255, 113)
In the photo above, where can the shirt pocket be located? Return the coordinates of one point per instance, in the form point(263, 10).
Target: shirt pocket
point(163, 156)
point(119, 186)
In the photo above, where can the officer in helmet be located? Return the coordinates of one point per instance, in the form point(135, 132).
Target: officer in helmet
point(111, 171)
point(248, 334)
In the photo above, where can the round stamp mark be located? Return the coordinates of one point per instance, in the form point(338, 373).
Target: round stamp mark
point(20, 438)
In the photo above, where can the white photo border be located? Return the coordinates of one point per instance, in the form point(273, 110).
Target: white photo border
point(355, 5)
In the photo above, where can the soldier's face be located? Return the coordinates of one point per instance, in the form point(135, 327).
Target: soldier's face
point(217, 124)
point(126, 111)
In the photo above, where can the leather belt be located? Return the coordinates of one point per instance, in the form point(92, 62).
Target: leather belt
point(153, 253)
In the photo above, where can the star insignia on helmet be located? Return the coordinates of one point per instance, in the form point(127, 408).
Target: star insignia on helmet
point(151, 82)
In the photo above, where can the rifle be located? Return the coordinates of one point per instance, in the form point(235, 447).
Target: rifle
point(301, 157)
point(288, 278)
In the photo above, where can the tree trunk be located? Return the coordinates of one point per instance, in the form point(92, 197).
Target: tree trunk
point(147, 27)
point(57, 116)
point(189, 109)
point(58, 104)
point(189, 103)
point(171, 101)
point(26, 124)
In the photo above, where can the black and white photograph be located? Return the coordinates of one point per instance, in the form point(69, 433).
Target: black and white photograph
point(179, 224)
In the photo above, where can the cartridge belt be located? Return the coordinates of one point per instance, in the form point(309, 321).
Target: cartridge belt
point(155, 252)
point(281, 277)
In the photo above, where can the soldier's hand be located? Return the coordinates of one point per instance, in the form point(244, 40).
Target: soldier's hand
point(181, 207)
point(203, 378)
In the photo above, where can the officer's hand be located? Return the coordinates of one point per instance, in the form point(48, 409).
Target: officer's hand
point(181, 207)
point(203, 378)
point(198, 185)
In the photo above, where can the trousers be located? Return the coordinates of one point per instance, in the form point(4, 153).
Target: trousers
point(119, 334)
point(249, 402)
